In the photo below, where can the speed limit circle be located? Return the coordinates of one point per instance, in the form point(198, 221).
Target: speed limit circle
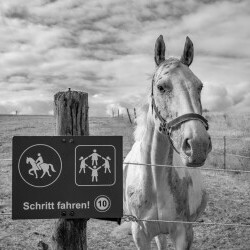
point(102, 203)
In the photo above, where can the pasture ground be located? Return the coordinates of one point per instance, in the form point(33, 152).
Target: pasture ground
point(229, 194)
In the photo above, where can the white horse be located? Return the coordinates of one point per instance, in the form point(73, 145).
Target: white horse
point(44, 166)
point(171, 121)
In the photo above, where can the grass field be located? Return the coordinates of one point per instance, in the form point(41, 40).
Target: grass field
point(229, 196)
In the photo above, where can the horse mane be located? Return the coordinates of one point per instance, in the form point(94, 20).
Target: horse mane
point(141, 119)
point(141, 122)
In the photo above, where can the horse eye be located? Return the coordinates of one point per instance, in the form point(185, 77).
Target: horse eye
point(200, 89)
point(161, 89)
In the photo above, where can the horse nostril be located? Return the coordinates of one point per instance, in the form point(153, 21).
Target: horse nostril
point(186, 147)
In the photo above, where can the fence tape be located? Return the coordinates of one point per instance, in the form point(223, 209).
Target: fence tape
point(241, 156)
point(132, 218)
point(221, 153)
point(170, 166)
point(199, 168)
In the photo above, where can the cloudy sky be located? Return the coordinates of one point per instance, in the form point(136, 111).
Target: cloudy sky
point(105, 48)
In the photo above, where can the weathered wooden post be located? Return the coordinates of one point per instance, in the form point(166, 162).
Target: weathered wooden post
point(224, 153)
point(71, 113)
point(129, 116)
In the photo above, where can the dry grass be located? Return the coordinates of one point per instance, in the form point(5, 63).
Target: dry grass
point(229, 193)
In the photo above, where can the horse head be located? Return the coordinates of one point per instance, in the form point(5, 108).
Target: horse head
point(30, 160)
point(176, 105)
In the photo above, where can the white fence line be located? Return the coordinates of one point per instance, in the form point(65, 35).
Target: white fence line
point(196, 223)
point(229, 137)
point(170, 166)
point(132, 218)
point(215, 169)
point(236, 155)
point(199, 168)
point(135, 219)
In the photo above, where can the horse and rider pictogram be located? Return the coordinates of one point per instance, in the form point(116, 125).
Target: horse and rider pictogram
point(97, 168)
point(40, 165)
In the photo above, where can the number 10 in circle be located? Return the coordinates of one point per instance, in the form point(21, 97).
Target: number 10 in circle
point(102, 203)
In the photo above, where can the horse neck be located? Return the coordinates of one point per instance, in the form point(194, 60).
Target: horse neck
point(32, 161)
point(155, 147)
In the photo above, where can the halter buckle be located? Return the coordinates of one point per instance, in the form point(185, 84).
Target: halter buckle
point(164, 127)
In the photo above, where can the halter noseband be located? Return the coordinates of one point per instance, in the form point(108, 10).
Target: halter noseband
point(166, 127)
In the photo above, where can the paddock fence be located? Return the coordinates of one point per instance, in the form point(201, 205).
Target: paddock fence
point(132, 218)
point(232, 151)
point(225, 150)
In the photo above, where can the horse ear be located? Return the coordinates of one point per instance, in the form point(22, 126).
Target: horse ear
point(159, 50)
point(188, 53)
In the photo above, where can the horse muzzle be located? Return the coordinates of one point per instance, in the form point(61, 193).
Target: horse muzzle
point(195, 149)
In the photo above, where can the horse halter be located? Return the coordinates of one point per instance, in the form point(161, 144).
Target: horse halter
point(166, 127)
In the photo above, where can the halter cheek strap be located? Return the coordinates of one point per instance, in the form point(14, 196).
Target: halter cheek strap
point(166, 127)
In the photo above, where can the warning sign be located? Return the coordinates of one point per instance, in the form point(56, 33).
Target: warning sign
point(67, 176)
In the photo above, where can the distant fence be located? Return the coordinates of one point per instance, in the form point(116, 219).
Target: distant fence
point(118, 113)
point(226, 151)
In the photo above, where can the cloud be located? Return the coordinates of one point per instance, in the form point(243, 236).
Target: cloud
point(106, 48)
point(216, 98)
point(18, 12)
point(26, 107)
point(243, 105)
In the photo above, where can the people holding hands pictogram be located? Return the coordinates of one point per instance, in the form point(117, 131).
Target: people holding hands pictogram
point(83, 164)
point(94, 167)
point(106, 164)
point(94, 174)
point(94, 157)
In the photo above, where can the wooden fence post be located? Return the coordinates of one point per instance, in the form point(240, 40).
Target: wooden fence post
point(129, 116)
point(71, 113)
point(225, 151)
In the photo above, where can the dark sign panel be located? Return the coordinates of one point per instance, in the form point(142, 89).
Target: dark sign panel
point(64, 176)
